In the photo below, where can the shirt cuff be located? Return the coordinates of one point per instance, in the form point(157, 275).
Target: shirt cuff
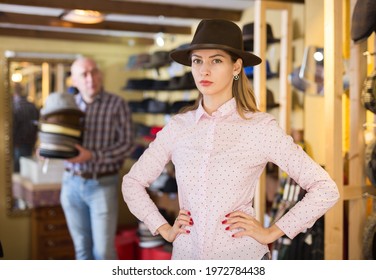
point(290, 225)
point(153, 221)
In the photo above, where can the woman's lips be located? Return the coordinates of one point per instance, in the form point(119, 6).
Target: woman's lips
point(205, 83)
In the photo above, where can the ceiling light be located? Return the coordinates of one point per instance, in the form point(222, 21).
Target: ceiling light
point(83, 16)
point(159, 39)
point(16, 77)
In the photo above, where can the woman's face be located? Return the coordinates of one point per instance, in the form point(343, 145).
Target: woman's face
point(213, 71)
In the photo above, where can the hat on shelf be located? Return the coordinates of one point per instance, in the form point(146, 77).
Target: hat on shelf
point(216, 34)
point(269, 74)
point(370, 161)
point(158, 59)
point(179, 105)
point(139, 84)
point(302, 84)
point(185, 82)
point(369, 92)
point(138, 61)
point(248, 36)
point(363, 21)
point(270, 101)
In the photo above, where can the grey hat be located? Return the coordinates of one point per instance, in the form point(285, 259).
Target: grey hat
point(369, 92)
point(58, 139)
point(158, 59)
point(60, 102)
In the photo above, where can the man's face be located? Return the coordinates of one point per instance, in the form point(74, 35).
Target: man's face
point(87, 78)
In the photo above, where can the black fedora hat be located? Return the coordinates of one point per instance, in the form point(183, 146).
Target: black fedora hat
point(248, 36)
point(216, 34)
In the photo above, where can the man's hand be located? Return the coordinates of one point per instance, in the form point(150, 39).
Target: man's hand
point(83, 155)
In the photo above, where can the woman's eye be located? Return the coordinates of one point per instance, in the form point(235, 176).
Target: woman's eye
point(196, 61)
point(217, 61)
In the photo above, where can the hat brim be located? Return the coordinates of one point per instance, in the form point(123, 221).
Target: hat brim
point(71, 111)
point(250, 38)
point(272, 106)
point(183, 56)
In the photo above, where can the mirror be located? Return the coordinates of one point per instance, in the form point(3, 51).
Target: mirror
point(35, 75)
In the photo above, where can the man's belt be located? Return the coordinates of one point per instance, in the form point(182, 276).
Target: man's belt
point(91, 175)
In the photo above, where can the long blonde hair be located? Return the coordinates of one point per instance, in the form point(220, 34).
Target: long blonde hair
point(241, 91)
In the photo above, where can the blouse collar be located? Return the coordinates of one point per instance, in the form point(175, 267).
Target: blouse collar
point(226, 109)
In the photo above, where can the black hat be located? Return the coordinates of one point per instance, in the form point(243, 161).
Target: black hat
point(363, 20)
point(248, 36)
point(270, 101)
point(216, 34)
point(370, 162)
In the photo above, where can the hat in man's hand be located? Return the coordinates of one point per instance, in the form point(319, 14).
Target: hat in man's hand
point(216, 34)
point(58, 102)
point(363, 21)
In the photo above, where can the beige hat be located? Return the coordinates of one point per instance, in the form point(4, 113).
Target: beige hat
point(60, 102)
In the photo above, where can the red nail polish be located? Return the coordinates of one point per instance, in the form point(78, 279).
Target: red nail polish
point(191, 223)
point(227, 215)
point(188, 231)
point(227, 228)
point(224, 221)
point(233, 235)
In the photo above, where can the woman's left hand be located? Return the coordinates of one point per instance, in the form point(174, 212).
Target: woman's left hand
point(249, 226)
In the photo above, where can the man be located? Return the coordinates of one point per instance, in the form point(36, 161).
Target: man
point(89, 194)
point(25, 130)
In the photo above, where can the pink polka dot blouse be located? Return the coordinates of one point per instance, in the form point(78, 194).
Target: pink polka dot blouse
point(218, 160)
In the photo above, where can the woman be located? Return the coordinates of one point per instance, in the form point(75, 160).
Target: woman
point(219, 148)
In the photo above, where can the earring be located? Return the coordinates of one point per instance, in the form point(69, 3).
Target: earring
point(236, 77)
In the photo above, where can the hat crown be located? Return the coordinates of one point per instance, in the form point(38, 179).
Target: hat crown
point(56, 102)
point(217, 32)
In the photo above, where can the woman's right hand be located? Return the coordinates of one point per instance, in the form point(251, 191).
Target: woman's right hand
point(183, 220)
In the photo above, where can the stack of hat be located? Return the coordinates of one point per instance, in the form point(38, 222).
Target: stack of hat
point(60, 126)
